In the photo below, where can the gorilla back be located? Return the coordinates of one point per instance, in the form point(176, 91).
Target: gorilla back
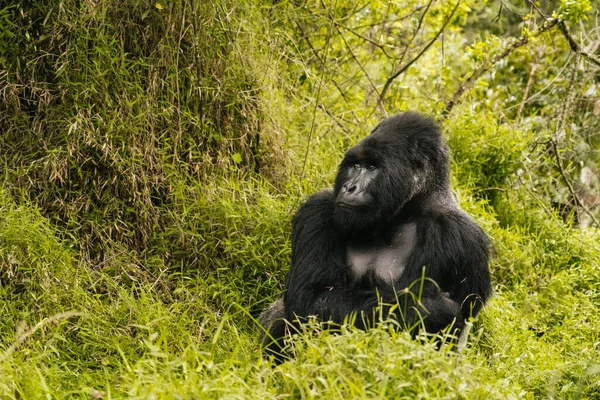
point(389, 240)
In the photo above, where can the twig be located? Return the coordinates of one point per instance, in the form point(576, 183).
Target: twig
point(317, 99)
point(415, 34)
point(574, 46)
point(548, 85)
point(354, 56)
point(322, 61)
point(411, 62)
point(554, 141)
point(385, 20)
point(366, 39)
point(570, 97)
point(469, 82)
point(334, 118)
point(572, 43)
point(182, 32)
point(567, 181)
point(406, 48)
point(527, 87)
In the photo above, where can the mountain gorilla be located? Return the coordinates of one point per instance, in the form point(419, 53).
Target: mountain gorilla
point(388, 241)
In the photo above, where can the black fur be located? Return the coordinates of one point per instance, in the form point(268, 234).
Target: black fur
point(396, 181)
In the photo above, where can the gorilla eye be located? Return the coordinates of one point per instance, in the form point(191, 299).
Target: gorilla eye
point(371, 168)
point(356, 166)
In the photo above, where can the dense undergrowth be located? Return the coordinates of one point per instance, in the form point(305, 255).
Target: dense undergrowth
point(154, 153)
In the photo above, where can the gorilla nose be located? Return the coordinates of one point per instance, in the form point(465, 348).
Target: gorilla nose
point(352, 196)
point(350, 188)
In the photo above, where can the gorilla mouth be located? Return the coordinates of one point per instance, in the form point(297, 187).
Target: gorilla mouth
point(348, 206)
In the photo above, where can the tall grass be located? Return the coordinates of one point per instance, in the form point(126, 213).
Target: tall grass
point(153, 154)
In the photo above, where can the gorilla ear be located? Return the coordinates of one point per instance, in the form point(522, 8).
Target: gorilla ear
point(419, 180)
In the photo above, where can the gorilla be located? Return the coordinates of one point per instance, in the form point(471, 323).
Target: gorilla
point(389, 241)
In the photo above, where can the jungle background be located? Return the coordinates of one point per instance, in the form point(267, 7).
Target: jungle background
point(153, 153)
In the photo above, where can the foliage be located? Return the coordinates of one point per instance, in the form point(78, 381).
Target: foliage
point(153, 154)
point(108, 106)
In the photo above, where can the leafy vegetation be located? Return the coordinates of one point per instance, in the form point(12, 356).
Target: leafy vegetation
point(153, 154)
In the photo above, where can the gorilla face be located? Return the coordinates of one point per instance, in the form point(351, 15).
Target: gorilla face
point(385, 171)
point(368, 189)
point(355, 181)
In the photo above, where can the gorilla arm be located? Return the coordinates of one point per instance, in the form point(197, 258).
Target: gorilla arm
point(315, 284)
point(317, 281)
point(455, 255)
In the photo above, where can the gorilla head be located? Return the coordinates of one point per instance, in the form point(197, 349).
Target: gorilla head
point(402, 162)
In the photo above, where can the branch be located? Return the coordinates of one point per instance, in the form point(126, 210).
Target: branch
point(317, 98)
point(574, 46)
point(470, 81)
point(385, 21)
point(366, 39)
point(568, 183)
point(572, 43)
point(335, 119)
point(414, 36)
point(362, 68)
point(411, 62)
point(554, 141)
point(318, 57)
point(529, 82)
point(566, 108)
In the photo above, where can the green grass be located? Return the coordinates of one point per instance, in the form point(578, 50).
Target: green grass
point(152, 157)
point(182, 333)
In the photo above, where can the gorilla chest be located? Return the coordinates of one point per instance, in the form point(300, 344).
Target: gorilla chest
point(386, 261)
